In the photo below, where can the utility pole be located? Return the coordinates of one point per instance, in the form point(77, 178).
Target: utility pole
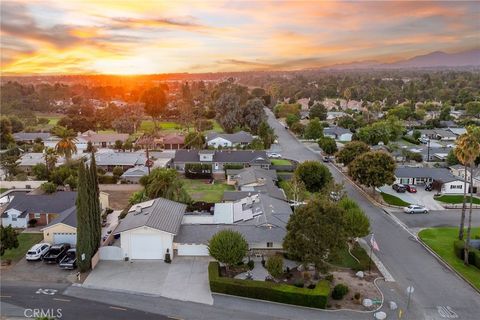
point(428, 150)
point(148, 161)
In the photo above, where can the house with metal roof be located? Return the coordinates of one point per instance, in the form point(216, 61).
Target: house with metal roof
point(449, 183)
point(229, 140)
point(148, 229)
point(255, 180)
point(41, 207)
point(219, 158)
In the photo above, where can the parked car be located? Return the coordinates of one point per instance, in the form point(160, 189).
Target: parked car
point(37, 252)
point(56, 253)
point(69, 261)
point(399, 187)
point(411, 189)
point(326, 159)
point(429, 187)
point(275, 155)
point(415, 208)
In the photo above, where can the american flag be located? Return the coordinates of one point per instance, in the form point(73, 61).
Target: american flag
point(374, 243)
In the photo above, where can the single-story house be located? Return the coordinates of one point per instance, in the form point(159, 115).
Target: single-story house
point(338, 133)
point(62, 229)
point(148, 230)
point(458, 170)
point(228, 140)
point(126, 160)
point(436, 134)
point(30, 137)
point(255, 180)
point(42, 207)
point(134, 174)
point(333, 115)
point(420, 176)
point(102, 140)
point(172, 141)
point(457, 131)
point(30, 159)
point(219, 158)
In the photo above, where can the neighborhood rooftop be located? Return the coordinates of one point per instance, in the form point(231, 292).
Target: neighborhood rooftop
point(225, 156)
point(42, 203)
point(439, 174)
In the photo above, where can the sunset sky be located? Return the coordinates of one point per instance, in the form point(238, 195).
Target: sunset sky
point(146, 36)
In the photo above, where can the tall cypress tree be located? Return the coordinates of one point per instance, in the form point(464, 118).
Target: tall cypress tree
point(95, 204)
point(84, 232)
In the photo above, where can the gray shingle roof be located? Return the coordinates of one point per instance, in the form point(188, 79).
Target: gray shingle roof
point(162, 214)
point(42, 203)
point(335, 130)
point(224, 156)
point(68, 217)
point(238, 137)
point(30, 136)
point(120, 158)
point(236, 195)
point(440, 174)
point(252, 174)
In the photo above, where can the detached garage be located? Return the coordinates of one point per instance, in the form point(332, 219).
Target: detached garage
point(62, 229)
point(147, 232)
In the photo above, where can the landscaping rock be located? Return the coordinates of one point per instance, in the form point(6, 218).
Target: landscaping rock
point(367, 303)
point(360, 274)
point(380, 315)
point(392, 305)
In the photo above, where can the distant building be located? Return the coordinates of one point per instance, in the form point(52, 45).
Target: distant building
point(102, 140)
point(338, 133)
point(30, 137)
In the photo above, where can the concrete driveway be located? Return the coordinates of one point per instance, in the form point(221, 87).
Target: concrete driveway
point(186, 278)
point(38, 271)
point(422, 197)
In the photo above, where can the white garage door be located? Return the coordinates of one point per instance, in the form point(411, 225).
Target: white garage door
point(146, 246)
point(70, 238)
point(192, 250)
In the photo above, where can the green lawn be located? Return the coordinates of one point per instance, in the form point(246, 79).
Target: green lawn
point(345, 260)
point(2, 190)
point(170, 126)
point(280, 162)
point(201, 190)
point(441, 240)
point(456, 199)
point(394, 201)
point(25, 242)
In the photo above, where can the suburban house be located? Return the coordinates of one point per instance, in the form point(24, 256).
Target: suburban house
point(148, 230)
point(436, 134)
point(109, 160)
point(334, 115)
point(458, 170)
point(102, 140)
point(254, 180)
point(219, 158)
point(133, 175)
point(457, 131)
point(450, 184)
point(171, 141)
point(30, 159)
point(30, 137)
point(261, 219)
point(62, 229)
point(228, 140)
point(338, 133)
point(42, 207)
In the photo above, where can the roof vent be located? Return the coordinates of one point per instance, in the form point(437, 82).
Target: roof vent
point(138, 210)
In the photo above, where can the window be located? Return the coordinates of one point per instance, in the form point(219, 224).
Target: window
point(14, 218)
point(269, 244)
point(37, 215)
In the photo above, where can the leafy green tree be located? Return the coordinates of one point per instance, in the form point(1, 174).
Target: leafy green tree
point(253, 114)
point(50, 159)
point(416, 134)
point(313, 130)
point(314, 175)
point(315, 230)
point(195, 140)
point(373, 169)
point(118, 145)
point(84, 228)
point(165, 183)
point(319, 111)
point(40, 171)
point(49, 187)
point(291, 119)
point(274, 266)
point(266, 134)
point(350, 151)
point(328, 145)
point(117, 171)
point(472, 109)
point(347, 122)
point(298, 128)
point(228, 247)
point(357, 224)
point(8, 237)
point(128, 145)
point(17, 124)
point(256, 144)
point(10, 163)
point(6, 137)
point(155, 101)
point(452, 158)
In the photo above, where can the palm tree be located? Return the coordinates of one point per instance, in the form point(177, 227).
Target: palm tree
point(50, 159)
point(66, 146)
point(467, 150)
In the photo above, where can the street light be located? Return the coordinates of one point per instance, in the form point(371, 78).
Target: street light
point(410, 290)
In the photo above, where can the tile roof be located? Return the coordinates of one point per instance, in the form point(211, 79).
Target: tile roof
point(43, 203)
point(160, 213)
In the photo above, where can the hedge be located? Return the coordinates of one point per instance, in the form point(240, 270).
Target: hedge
point(411, 139)
point(263, 290)
point(473, 254)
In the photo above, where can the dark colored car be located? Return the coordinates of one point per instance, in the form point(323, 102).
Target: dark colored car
point(399, 187)
point(429, 187)
point(69, 261)
point(411, 189)
point(56, 253)
point(326, 159)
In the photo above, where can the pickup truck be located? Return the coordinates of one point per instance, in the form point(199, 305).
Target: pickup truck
point(56, 253)
point(69, 261)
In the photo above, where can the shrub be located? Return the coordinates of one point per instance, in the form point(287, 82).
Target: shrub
point(228, 246)
point(299, 284)
point(49, 187)
point(107, 179)
point(198, 171)
point(329, 277)
point(275, 266)
point(117, 171)
point(251, 264)
point(357, 296)
point(339, 291)
point(266, 290)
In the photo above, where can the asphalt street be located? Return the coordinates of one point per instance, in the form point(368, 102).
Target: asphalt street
point(436, 288)
point(437, 218)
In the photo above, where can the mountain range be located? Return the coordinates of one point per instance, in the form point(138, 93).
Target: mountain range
point(433, 59)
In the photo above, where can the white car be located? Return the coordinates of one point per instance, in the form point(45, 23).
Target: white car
point(37, 251)
point(415, 208)
point(275, 155)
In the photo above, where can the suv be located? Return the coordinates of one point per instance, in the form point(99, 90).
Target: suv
point(429, 187)
point(37, 252)
point(399, 187)
point(415, 208)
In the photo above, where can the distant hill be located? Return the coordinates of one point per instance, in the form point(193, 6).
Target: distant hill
point(433, 59)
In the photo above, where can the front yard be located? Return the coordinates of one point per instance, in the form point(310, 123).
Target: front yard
point(394, 201)
point(25, 242)
point(456, 199)
point(171, 126)
point(441, 241)
point(280, 162)
point(203, 190)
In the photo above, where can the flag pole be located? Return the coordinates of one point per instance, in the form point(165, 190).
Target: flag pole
point(370, 260)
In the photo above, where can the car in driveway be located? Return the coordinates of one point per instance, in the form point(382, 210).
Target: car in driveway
point(399, 187)
point(411, 189)
point(429, 186)
point(56, 253)
point(37, 252)
point(69, 261)
point(415, 208)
